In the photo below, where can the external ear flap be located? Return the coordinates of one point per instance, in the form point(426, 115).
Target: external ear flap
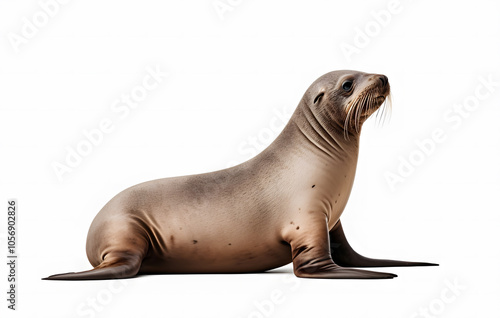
point(318, 97)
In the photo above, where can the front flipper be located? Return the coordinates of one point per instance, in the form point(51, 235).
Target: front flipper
point(311, 253)
point(344, 255)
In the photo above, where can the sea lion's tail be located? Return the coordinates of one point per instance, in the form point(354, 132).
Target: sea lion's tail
point(125, 266)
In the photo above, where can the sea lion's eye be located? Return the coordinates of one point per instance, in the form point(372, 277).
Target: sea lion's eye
point(347, 85)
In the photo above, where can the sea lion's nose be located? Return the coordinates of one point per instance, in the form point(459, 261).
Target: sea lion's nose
point(383, 79)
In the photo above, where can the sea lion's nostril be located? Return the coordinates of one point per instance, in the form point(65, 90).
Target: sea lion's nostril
point(383, 79)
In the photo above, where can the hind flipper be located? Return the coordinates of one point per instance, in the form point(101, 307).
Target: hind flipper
point(115, 265)
point(344, 255)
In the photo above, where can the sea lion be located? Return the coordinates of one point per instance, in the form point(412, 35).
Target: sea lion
point(279, 207)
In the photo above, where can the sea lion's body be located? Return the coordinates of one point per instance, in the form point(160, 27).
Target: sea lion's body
point(283, 205)
point(233, 220)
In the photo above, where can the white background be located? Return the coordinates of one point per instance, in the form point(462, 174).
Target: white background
point(229, 77)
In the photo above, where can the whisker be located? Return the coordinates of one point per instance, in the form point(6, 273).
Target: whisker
point(361, 110)
point(389, 101)
point(379, 114)
point(356, 116)
point(346, 122)
point(383, 111)
point(360, 106)
point(388, 108)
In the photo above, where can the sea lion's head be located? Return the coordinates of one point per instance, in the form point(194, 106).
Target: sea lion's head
point(347, 98)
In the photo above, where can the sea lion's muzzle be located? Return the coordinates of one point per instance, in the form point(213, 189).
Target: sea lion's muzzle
point(383, 79)
point(381, 87)
point(382, 83)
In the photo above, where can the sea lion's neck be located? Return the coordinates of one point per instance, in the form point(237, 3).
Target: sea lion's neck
point(312, 145)
point(326, 137)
